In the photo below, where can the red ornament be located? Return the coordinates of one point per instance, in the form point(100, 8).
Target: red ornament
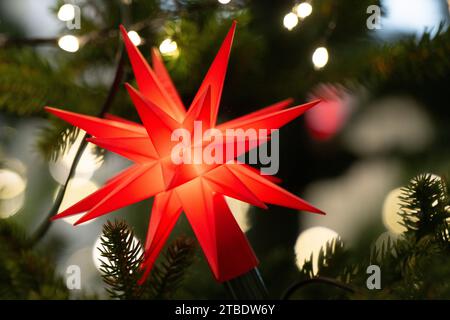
point(196, 189)
point(329, 117)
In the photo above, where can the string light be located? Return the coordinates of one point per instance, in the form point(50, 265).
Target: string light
point(66, 12)
point(224, 1)
point(290, 21)
point(69, 43)
point(304, 9)
point(168, 47)
point(134, 37)
point(320, 57)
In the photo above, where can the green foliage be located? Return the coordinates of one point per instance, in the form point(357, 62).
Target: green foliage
point(169, 274)
point(122, 258)
point(424, 208)
point(414, 266)
point(24, 273)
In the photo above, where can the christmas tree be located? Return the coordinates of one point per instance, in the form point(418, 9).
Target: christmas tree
point(370, 151)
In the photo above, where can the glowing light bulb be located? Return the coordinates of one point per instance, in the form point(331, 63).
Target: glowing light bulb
point(320, 57)
point(290, 21)
point(168, 47)
point(134, 37)
point(304, 9)
point(310, 242)
point(224, 1)
point(66, 12)
point(97, 255)
point(69, 43)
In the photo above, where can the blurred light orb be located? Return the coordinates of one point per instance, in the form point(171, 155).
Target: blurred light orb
point(304, 9)
point(224, 1)
point(97, 255)
point(329, 117)
point(290, 21)
point(391, 212)
point(66, 12)
point(69, 43)
point(77, 189)
point(413, 133)
point(310, 242)
point(320, 57)
point(134, 37)
point(168, 47)
point(89, 161)
point(240, 211)
point(11, 184)
point(12, 187)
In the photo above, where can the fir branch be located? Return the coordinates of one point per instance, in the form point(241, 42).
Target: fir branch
point(24, 273)
point(122, 257)
point(166, 277)
point(424, 207)
point(42, 230)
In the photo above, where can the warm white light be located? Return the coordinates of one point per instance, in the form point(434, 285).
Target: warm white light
point(69, 43)
point(87, 165)
point(76, 190)
point(310, 242)
point(320, 57)
point(134, 37)
point(168, 47)
point(224, 1)
point(11, 184)
point(391, 212)
point(304, 9)
point(290, 21)
point(97, 255)
point(240, 212)
point(66, 12)
point(12, 187)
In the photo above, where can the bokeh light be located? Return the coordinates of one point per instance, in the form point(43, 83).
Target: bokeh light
point(69, 43)
point(303, 10)
point(77, 189)
point(169, 48)
point(66, 12)
point(134, 37)
point(12, 188)
point(240, 212)
point(290, 21)
point(97, 255)
point(392, 219)
point(89, 162)
point(320, 57)
point(310, 242)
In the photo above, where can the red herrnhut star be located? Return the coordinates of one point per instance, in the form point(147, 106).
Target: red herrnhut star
point(197, 189)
